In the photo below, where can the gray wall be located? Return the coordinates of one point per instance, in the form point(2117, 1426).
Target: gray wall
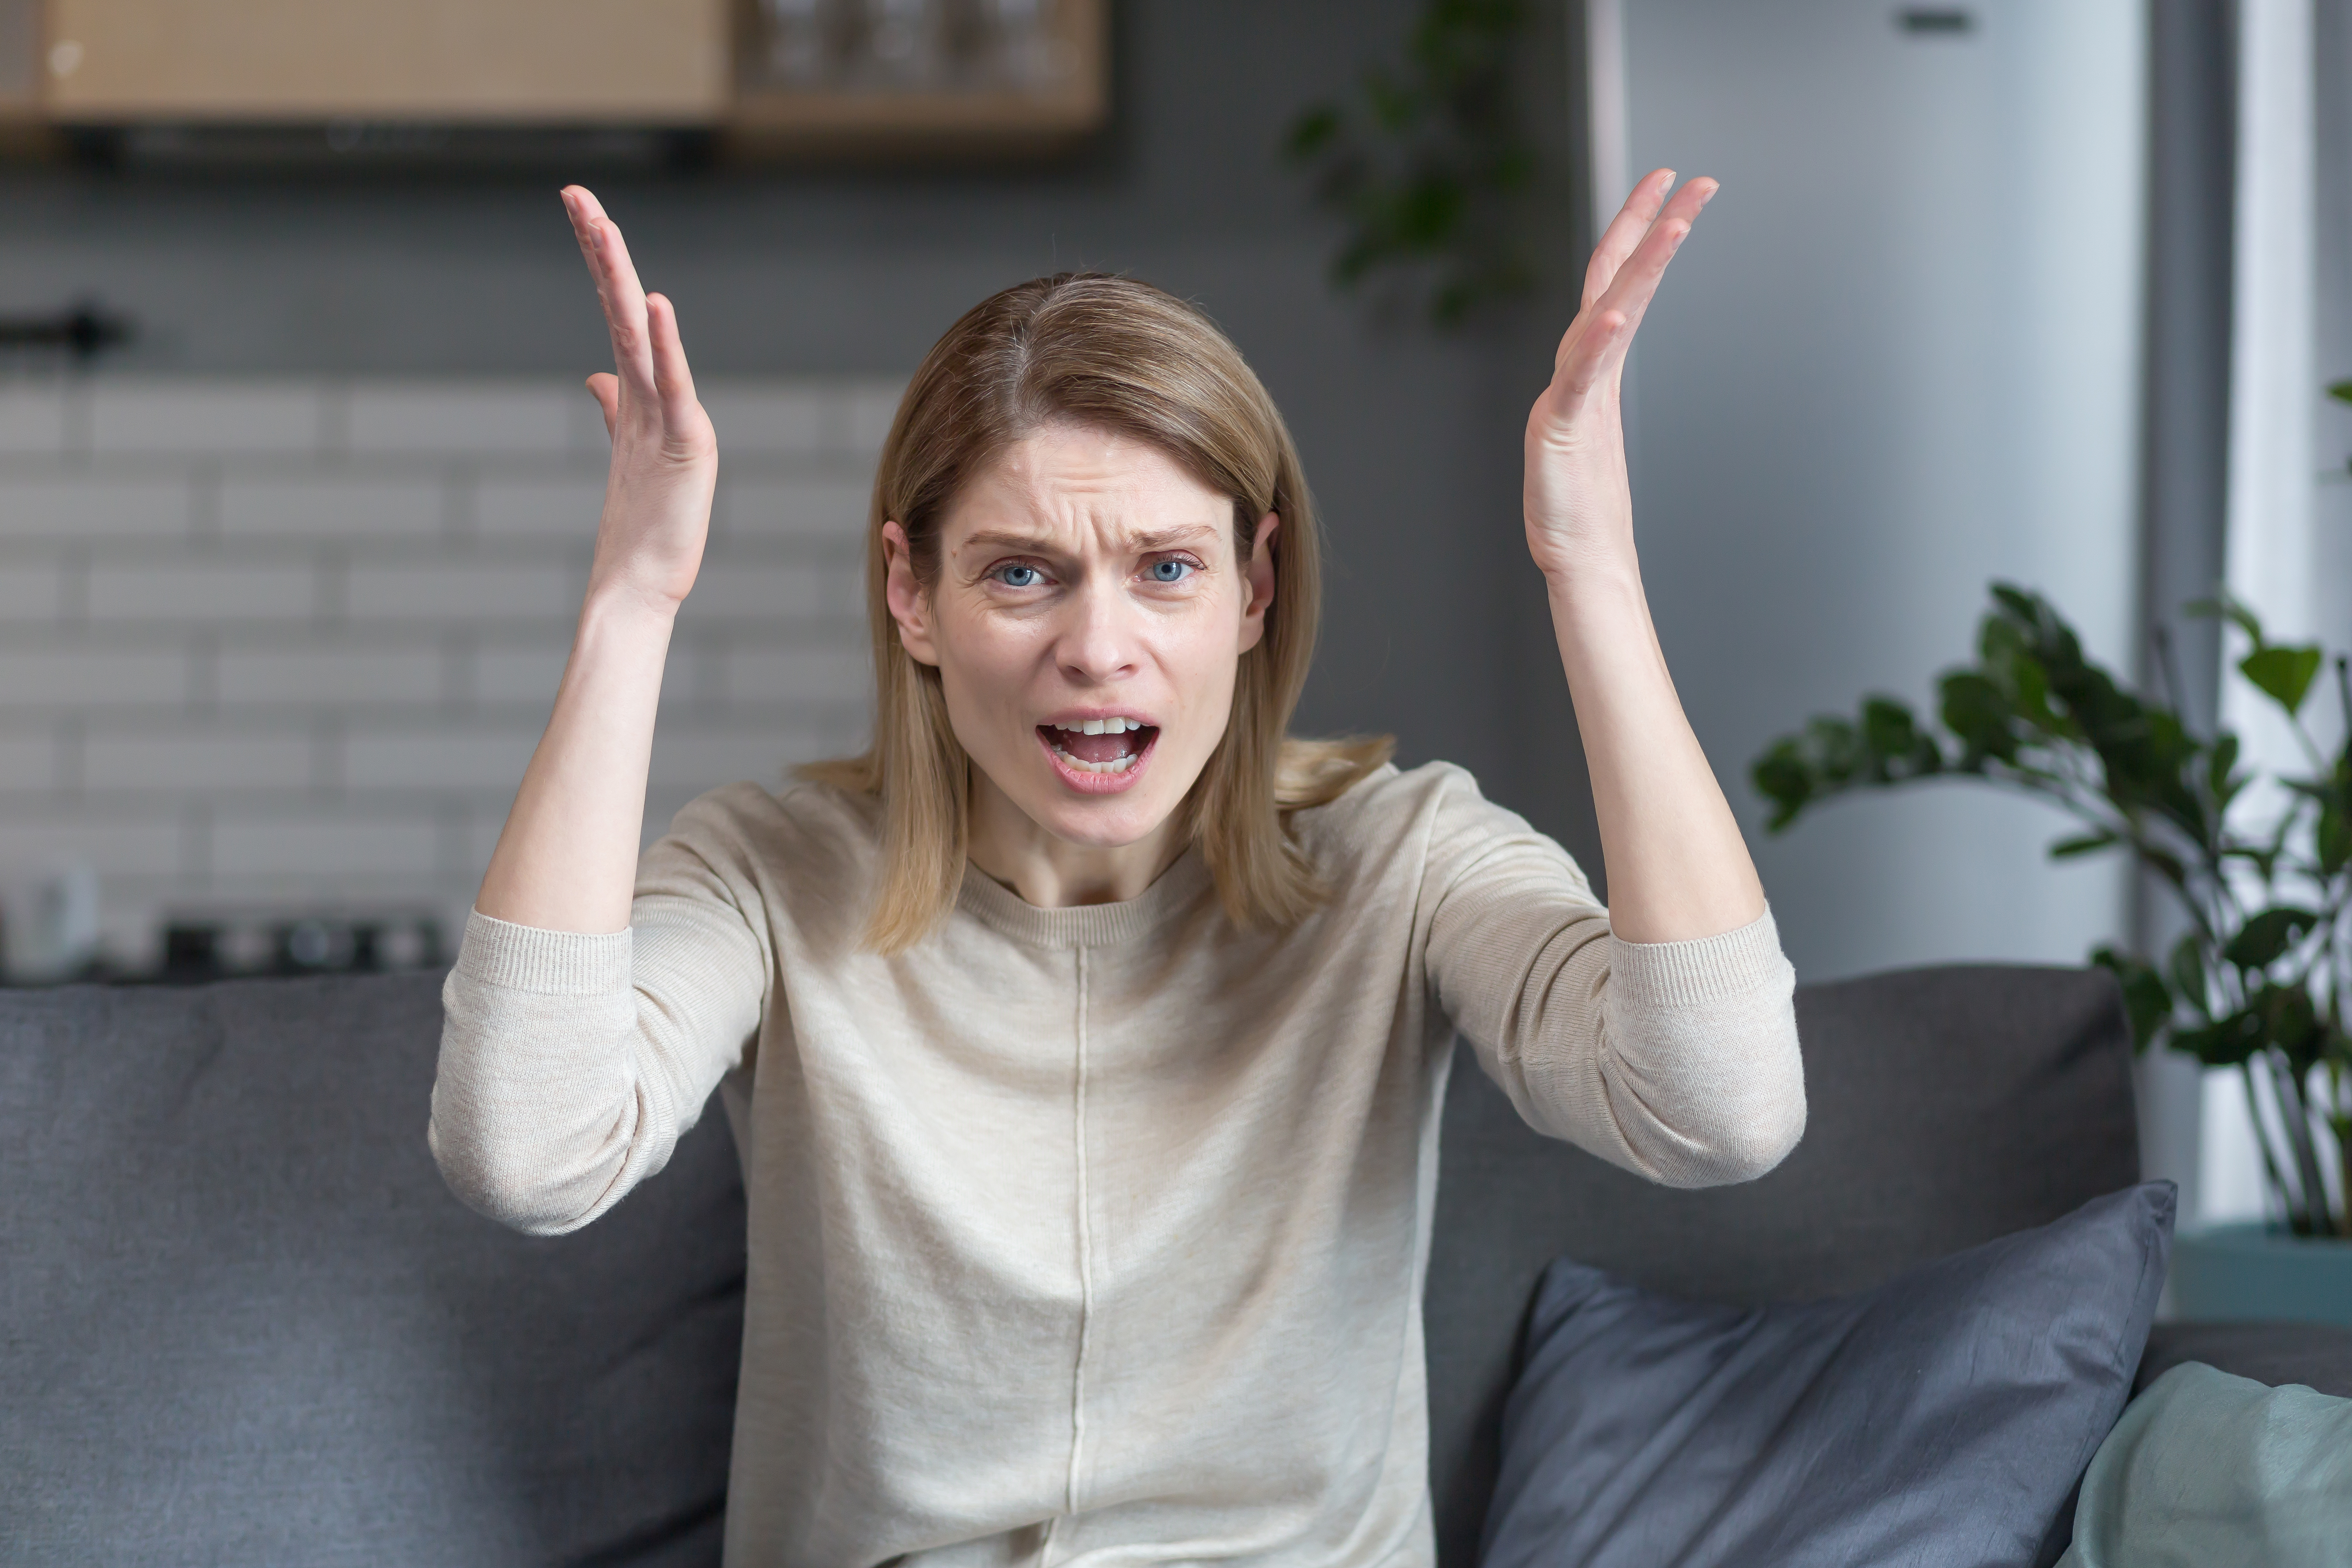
point(1900, 357)
point(1411, 439)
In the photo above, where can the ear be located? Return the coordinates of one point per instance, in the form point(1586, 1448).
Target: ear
point(1261, 581)
point(910, 605)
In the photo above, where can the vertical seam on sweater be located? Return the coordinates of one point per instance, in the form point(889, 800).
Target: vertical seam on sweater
point(1086, 1248)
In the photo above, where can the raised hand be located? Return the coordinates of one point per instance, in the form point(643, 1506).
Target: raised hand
point(567, 858)
point(1579, 513)
point(1678, 867)
point(665, 455)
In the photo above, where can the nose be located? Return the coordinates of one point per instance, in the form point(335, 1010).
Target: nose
point(1098, 645)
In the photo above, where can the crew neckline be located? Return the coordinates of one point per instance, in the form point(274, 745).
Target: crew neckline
point(1006, 912)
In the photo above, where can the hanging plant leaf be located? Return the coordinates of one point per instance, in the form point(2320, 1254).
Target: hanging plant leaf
point(1432, 170)
point(2146, 999)
point(2283, 673)
point(2265, 938)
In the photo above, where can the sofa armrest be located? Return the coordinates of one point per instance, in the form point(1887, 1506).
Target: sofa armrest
point(2314, 1355)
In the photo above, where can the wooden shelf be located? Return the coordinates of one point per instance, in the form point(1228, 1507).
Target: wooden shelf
point(499, 66)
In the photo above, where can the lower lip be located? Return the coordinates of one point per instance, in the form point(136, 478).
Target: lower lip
point(1086, 783)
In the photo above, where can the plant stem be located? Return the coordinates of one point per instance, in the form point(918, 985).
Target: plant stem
point(2263, 1143)
point(2294, 1125)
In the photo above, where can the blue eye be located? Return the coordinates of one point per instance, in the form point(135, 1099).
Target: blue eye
point(1019, 576)
point(1171, 571)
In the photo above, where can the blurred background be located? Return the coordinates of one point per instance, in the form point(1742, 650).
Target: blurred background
point(297, 485)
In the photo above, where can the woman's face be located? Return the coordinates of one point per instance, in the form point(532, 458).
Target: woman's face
point(1089, 614)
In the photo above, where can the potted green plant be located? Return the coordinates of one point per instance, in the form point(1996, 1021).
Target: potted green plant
point(2259, 867)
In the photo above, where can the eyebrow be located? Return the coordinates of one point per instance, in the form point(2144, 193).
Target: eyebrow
point(1141, 543)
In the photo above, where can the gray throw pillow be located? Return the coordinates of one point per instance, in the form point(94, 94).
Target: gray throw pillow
point(1941, 1419)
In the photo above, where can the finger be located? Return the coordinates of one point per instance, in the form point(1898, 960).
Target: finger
point(1626, 230)
point(617, 288)
point(672, 382)
point(1636, 283)
point(605, 388)
point(1597, 351)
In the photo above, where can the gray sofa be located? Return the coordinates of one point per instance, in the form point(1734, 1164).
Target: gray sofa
point(242, 1322)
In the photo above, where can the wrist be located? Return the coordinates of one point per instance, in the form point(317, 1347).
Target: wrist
point(619, 609)
point(1595, 585)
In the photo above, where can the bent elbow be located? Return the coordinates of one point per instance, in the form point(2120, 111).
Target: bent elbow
point(1747, 1147)
point(504, 1188)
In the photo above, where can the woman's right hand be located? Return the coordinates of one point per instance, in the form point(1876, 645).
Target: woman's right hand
point(567, 858)
point(665, 455)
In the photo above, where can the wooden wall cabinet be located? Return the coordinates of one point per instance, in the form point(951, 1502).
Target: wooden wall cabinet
point(858, 77)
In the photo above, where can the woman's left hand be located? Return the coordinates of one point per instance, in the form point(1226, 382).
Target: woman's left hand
point(1580, 512)
point(1676, 864)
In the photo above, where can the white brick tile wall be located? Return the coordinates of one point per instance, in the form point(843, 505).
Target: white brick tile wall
point(756, 674)
point(201, 591)
point(335, 676)
point(772, 594)
point(440, 418)
point(206, 418)
point(28, 761)
point(831, 512)
point(145, 844)
point(338, 508)
point(870, 407)
point(32, 593)
point(93, 677)
point(288, 645)
point(324, 845)
point(31, 418)
point(479, 592)
point(437, 756)
point(564, 508)
point(527, 674)
point(95, 506)
point(752, 417)
point(175, 760)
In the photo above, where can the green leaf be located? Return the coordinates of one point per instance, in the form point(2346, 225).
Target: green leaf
point(2186, 971)
point(1315, 130)
point(2334, 839)
point(2227, 607)
point(2340, 390)
point(2290, 1021)
point(1781, 777)
point(2265, 938)
point(2224, 1042)
point(2145, 999)
point(1978, 713)
point(2087, 844)
point(2282, 672)
point(2220, 768)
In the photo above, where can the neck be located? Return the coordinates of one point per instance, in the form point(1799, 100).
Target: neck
point(1052, 873)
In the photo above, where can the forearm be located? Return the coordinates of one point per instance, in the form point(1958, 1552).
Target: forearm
point(1677, 867)
point(567, 858)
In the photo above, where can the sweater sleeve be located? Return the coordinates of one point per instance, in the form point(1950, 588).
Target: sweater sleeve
point(1677, 1060)
point(571, 1064)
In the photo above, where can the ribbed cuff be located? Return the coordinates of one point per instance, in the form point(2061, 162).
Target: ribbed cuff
point(550, 963)
point(1681, 974)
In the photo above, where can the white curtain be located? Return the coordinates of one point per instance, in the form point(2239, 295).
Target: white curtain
point(2287, 521)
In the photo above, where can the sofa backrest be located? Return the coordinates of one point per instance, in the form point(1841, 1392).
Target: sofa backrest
point(1946, 1107)
point(244, 1322)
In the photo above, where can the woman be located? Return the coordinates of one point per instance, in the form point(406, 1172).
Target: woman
point(1084, 1041)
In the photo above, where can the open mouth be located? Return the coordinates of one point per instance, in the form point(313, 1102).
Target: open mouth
point(1103, 748)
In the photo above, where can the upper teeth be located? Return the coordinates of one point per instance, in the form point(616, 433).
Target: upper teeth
point(1103, 726)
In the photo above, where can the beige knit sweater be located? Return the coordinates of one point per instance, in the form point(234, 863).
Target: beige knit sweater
point(1094, 1234)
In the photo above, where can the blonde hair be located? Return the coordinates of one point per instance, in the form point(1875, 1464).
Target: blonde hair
point(1120, 357)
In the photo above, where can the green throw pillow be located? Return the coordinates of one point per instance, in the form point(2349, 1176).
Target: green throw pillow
point(2206, 1470)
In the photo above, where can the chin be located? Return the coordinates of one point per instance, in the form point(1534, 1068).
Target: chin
point(1100, 822)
